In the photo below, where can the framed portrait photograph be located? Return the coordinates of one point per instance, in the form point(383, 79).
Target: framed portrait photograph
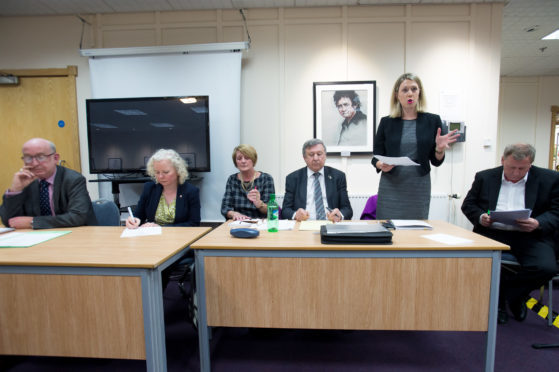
point(345, 116)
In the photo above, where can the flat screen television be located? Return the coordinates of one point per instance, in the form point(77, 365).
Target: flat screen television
point(123, 133)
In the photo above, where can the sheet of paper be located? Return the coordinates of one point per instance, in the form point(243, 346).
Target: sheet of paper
point(448, 239)
point(283, 225)
point(390, 160)
point(312, 225)
point(252, 223)
point(510, 217)
point(28, 239)
point(411, 225)
point(6, 229)
point(141, 231)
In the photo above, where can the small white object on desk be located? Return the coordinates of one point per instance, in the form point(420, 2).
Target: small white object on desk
point(141, 231)
point(411, 225)
point(448, 239)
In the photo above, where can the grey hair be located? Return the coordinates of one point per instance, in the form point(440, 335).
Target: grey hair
point(52, 146)
point(313, 142)
point(50, 143)
point(174, 158)
point(520, 151)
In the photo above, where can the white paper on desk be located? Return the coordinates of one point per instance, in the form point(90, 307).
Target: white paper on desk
point(312, 225)
point(28, 239)
point(510, 217)
point(447, 239)
point(390, 160)
point(411, 225)
point(283, 225)
point(141, 231)
point(252, 223)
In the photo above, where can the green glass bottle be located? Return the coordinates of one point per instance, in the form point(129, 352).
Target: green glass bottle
point(273, 214)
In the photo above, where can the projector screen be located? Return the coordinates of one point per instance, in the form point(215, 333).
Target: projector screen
point(213, 74)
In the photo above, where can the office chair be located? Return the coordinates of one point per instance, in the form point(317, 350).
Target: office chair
point(106, 212)
point(370, 210)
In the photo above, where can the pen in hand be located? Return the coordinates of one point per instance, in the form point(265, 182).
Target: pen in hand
point(330, 211)
point(132, 216)
point(130, 212)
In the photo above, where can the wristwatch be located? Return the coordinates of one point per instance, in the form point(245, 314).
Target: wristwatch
point(32, 223)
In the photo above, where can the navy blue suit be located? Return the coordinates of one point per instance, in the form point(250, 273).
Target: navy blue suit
point(296, 192)
point(187, 211)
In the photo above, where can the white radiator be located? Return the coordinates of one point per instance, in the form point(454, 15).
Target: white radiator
point(438, 209)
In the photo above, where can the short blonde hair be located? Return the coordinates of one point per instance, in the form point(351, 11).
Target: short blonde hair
point(395, 106)
point(246, 150)
point(175, 159)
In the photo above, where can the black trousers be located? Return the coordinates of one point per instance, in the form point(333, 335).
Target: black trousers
point(538, 263)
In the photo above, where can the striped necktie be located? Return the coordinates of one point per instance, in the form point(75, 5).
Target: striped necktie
point(318, 203)
point(44, 201)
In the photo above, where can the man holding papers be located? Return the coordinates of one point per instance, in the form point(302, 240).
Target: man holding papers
point(513, 187)
point(44, 195)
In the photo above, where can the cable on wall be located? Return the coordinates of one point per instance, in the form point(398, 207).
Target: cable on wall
point(83, 28)
point(246, 26)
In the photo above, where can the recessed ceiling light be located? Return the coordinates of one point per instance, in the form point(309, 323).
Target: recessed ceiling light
point(552, 36)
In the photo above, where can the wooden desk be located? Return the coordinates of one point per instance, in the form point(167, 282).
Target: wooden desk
point(90, 294)
point(289, 280)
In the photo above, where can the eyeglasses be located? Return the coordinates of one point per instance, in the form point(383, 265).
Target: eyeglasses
point(28, 159)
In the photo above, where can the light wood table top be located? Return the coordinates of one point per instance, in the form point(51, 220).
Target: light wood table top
point(102, 246)
point(220, 238)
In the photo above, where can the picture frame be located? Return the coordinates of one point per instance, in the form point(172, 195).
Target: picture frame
point(357, 110)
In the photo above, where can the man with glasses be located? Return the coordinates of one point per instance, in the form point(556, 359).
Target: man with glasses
point(44, 195)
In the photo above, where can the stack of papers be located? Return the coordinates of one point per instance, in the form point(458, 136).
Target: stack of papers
point(509, 217)
point(411, 225)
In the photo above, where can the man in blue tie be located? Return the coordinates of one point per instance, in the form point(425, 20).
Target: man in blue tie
point(316, 192)
point(44, 195)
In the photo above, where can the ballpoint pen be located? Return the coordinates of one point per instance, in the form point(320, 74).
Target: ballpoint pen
point(131, 215)
point(330, 210)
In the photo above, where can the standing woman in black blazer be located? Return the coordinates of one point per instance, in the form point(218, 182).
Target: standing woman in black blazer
point(405, 192)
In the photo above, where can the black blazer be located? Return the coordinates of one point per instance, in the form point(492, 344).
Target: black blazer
point(296, 192)
point(389, 135)
point(187, 212)
point(541, 196)
point(72, 205)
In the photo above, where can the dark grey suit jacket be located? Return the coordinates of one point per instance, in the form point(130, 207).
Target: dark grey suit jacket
point(72, 205)
point(541, 196)
point(296, 192)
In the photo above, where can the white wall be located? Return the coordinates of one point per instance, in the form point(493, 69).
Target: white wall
point(525, 113)
point(453, 48)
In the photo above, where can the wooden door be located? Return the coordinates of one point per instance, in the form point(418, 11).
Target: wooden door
point(42, 105)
